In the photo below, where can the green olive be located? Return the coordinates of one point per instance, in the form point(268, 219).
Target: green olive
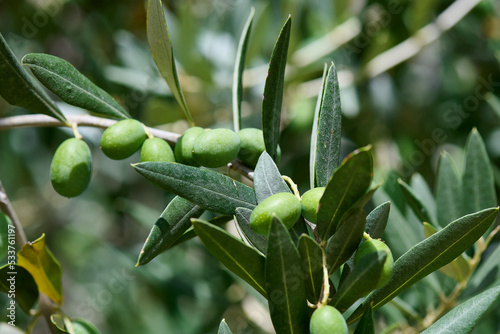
point(157, 149)
point(71, 168)
point(123, 139)
point(372, 246)
point(184, 146)
point(216, 148)
point(252, 145)
point(327, 320)
point(285, 206)
point(310, 201)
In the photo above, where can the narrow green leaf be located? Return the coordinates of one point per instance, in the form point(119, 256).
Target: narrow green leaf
point(18, 88)
point(239, 66)
point(463, 318)
point(5, 241)
point(162, 52)
point(312, 264)
point(329, 130)
point(258, 241)
point(284, 282)
point(170, 226)
point(239, 258)
point(267, 178)
point(418, 207)
point(346, 240)
point(224, 328)
point(366, 325)
point(38, 260)
point(431, 254)
point(377, 219)
point(478, 181)
point(458, 269)
point(273, 91)
point(448, 190)
point(314, 134)
point(208, 189)
point(19, 286)
point(363, 279)
point(348, 184)
point(82, 326)
point(65, 81)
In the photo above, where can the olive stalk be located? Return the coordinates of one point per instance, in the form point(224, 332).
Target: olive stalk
point(292, 185)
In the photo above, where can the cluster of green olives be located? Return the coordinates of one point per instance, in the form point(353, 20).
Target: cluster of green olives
point(72, 163)
point(71, 166)
point(287, 207)
point(217, 147)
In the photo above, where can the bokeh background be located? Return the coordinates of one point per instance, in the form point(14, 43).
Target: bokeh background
point(408, 108)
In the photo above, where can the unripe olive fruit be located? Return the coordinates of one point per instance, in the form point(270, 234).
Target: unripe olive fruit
point(123, 139)
point(371, 246)
point(310, 201)
point(185, 144)
point(156, 149)
point(71, 168)
point(216, 148)
point(285, 206)
point(327, 320)
point(252, 145)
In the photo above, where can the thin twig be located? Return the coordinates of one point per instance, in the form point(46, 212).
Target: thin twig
point(6, 207)
point(81, 120)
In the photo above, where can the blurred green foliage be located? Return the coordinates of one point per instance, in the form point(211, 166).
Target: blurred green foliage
point(409, 113)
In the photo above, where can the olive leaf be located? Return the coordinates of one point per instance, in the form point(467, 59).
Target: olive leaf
point(170, 226)
point(239, 66)
point(25, 297)
point(258, 241)
point(65, 81)
point(82, 326)
point(241, 259)
point(363, 279)
point(377, 219)
point(284, 282)
point(429, 255)
point(267, 178)
point(448, 190)
point(224, 328)
point(207, 188)
point(328, 130)
point(18, 88)
point(346, 240)
point(312, 264)
point(273, 91)
point(464, 317)
point(314, 133)
point(162, 52)
point(477, 181)
point(38, 260)
point(348, 184)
